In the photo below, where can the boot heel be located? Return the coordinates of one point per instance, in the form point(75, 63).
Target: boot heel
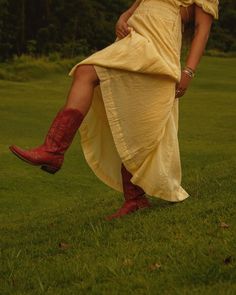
point(49, 169)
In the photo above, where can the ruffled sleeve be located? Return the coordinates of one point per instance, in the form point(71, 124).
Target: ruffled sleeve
point(209, 6)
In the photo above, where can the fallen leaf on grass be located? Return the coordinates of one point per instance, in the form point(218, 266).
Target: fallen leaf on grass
point(154, 266)
point(13, 281)
point(224, 225)
point(64, 246)
point(228, 260)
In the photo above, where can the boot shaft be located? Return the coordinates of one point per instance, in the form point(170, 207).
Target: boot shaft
point(131, 191)
point(63, 130)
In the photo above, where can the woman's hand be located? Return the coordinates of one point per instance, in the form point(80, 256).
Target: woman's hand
point(183, 85)
point(122, 28)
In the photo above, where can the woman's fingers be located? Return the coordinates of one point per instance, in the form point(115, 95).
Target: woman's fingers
point(120, 34)
point(183, 85)
point(122, 29)
point(125, 28)
point(179, 92)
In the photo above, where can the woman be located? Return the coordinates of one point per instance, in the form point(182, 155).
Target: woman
point(123, 100)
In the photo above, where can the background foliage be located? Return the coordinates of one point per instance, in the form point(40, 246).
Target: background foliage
point(75, 27)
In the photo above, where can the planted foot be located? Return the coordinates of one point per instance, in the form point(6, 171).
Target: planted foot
point(130, 206)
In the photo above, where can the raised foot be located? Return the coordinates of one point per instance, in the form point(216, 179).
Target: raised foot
point(48, 162)
point(128, 207)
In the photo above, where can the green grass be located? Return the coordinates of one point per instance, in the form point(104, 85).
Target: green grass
point(39, 211)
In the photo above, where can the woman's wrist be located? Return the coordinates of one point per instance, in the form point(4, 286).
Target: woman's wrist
point(126, 15)
point(189, 71)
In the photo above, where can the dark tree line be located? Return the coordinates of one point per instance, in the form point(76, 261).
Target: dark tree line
point(223, 35)
point(73, 27)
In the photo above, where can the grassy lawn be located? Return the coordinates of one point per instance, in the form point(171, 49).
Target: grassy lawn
point(54, 239)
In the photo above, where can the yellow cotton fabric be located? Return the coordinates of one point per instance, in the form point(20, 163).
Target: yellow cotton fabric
point(134, 114)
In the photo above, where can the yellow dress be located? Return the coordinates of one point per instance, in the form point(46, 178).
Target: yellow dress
point(134, 114)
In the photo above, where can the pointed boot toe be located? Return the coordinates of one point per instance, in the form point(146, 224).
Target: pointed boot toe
point(49, 162)
point(20, 153)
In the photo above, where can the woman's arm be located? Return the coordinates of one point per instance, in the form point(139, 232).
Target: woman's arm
point(127, 14)
point(203, 22)
point(122, 28)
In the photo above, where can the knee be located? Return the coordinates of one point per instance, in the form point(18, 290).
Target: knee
point(86, 73)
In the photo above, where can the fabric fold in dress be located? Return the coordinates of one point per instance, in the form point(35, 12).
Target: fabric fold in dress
point(134, 114)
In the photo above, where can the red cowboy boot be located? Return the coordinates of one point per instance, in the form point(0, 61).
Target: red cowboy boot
point(134, 196)
point(50, 155)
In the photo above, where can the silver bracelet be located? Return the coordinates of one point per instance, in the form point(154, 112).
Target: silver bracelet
point(190, 72)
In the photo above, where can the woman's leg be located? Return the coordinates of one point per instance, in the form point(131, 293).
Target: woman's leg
point(80, 96)
point(50, 155)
